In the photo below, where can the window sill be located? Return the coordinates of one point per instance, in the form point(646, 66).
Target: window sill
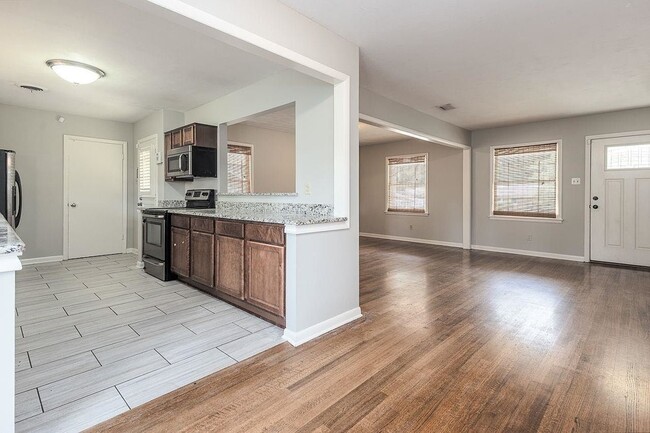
point(406, 213)
point(527, 219)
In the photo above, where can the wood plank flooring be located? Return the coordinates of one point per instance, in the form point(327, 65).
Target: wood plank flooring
point(451, 341)
point(95, 337)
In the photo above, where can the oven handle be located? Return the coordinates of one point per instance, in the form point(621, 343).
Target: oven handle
point(153, 216)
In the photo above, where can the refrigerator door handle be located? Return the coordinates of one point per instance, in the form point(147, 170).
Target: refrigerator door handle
point(20, 199)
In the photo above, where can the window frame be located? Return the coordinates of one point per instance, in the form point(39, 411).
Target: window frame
point(252, 165)
point(387, 185)
point(558, 184)
point(152, 141)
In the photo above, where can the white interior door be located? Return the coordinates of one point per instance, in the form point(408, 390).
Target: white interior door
point(620, 200)
point(95, 196)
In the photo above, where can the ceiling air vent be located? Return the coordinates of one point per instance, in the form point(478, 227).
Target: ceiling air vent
point(31, 88)
point(446, 107)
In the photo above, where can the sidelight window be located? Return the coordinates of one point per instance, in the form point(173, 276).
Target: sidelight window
point(240, 168)
point(525, 181)
point(406, 184)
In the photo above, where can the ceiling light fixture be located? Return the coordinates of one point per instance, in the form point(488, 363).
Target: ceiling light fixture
point(75, 72)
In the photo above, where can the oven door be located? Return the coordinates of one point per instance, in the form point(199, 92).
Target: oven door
point(154, 236)
point(179, 164)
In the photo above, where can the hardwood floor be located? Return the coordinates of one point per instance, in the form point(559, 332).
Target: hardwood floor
point(450, 341)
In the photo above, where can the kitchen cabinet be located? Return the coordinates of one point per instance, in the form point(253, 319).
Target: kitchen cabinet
point(194, 134)
point(180, 254)
point(176, 138)
point(264, 277)
point(202, 263)
point(229, 266)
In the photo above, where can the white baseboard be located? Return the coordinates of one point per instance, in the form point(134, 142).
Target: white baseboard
point(132, 251)
point(301, 337)
point(529, 253)
point(415, 240)
point(36, 260)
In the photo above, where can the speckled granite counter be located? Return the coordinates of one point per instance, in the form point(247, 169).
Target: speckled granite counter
point(10, 243)
point(264, 217)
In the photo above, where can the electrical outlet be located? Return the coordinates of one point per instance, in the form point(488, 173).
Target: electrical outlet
point(411, 227)
point(575, 181)
point(308, 188)
point(529, 238)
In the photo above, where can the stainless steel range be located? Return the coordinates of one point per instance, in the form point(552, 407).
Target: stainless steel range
point(156, 227)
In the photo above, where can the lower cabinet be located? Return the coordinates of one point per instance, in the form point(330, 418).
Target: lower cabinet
point(202, 263)
point(180, 255)
point(265, 276)
point(229, 266)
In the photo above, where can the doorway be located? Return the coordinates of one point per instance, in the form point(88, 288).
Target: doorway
point(619, 198)
point(94, 202)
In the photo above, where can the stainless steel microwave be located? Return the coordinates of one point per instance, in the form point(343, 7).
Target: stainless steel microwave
point(188, 162)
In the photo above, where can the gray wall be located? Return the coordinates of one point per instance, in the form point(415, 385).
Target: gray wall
point(274, 157)
point(37, 138)
point(445, 193)
point(568, 237)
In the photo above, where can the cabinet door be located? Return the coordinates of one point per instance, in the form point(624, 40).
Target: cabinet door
point(189, 136)
point(180, 251)
point(229, 266)
point(168, 141)
point(264, 282)
point(202, 258)
point(176, 138)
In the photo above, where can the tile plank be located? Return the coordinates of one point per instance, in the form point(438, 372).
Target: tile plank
point(53, 371)
point(102, 324)
point(180, 350)
point(159, 323)
point(27, 405)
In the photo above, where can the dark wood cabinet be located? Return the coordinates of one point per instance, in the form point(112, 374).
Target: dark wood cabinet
point(168, 142)
point(202, 264)
point(180, 254)
point(264, 277)
point(229, 266)
point(194, 134)
point(176, 138)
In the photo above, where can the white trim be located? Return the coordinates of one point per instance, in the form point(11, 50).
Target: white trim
point(316, 228)
point(414, 240)
point(526, 219)
point(67, 139)
point(153, 193)
point(587, 220)
point(530, 253)
point(558, 183)
point(37, 260)
point(296, 338)
point(10, 263)
point(414, 214)
point(426, 184)
point(131, 251)
point(374, 121)
point(467, 198)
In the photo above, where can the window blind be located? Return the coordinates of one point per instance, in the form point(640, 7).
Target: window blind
point(239, 168)
point(525, 181)
point(407, 184)
point(144, 171)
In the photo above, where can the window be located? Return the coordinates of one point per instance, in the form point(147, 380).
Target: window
point(406, 184)
point(146, 168)
point(240, 168)
point(525, 181)
point(628, 157)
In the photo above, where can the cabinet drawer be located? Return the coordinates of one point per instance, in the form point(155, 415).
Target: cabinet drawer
point(267, 233)
point(229, 228)
point(205, 225)
point(181, 221)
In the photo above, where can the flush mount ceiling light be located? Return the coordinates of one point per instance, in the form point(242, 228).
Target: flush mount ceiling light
point(75, 72)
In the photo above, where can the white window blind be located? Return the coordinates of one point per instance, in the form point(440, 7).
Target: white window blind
point(240, 161)
point(407, 183)
point(628, 157)
point(525, 181)
point(144, 171)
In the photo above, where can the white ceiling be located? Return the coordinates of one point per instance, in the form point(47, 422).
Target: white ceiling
point(498, 61)
point(283, 120)
point(150, 62)
point(370, 134)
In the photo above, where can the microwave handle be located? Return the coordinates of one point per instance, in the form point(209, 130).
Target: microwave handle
point(184, 162)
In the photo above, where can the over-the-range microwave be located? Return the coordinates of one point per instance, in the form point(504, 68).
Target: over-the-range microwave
point(188, 162)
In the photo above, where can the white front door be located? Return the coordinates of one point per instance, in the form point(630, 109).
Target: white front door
point(620, 200)
point(94, 183)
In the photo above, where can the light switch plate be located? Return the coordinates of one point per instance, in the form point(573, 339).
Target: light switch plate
point(575, 181)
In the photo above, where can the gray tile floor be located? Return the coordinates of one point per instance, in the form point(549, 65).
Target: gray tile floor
point(95, 337)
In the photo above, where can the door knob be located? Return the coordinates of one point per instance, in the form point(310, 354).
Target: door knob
point(595, 197)
point(73, 204)
point(595, 206)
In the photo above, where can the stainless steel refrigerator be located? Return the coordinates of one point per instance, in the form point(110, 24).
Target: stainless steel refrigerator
point(11, 191)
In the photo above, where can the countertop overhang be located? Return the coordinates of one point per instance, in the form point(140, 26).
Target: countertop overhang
point(10, 242)
point(273, 218)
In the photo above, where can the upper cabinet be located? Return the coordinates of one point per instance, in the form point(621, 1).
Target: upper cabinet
point(194, 134)
point(181, 163)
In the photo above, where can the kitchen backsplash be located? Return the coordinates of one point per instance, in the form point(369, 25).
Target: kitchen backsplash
point(171, 203)
point(278, 208)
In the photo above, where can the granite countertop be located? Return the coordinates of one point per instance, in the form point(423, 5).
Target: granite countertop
point(276, 218)
point(10, 243)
